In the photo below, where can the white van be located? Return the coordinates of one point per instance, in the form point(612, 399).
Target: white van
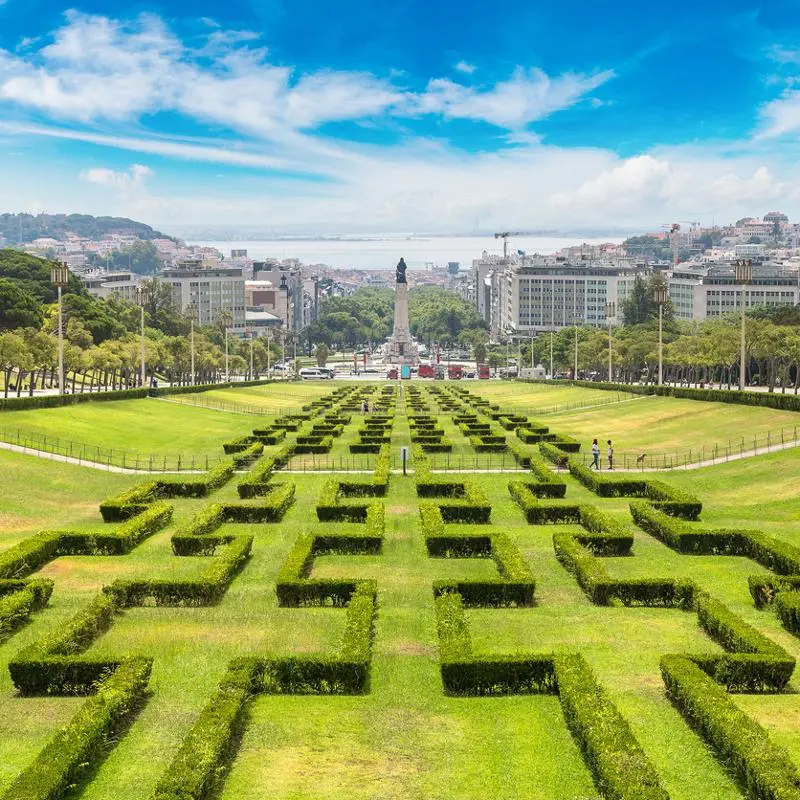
point(314, 374)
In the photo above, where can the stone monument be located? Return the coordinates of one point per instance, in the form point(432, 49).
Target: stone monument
point(401, 350)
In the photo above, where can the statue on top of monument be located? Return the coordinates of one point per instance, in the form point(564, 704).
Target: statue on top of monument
point(401, 271)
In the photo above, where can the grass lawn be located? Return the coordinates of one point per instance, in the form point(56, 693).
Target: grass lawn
point(403, 738)
point(667, 424)
point(273, 398)
point(530, 397)
point(147, 427)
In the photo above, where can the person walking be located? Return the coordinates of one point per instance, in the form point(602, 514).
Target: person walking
point(610, 455)
point(595, 454)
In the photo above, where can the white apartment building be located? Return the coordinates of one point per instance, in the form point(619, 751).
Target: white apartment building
point(700, 293)
point(204, 292)
point(103, 284)
point(545, 297)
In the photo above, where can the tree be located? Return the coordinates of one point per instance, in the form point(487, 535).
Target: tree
point(18, 307)
point(321, 354)
point(33, 275)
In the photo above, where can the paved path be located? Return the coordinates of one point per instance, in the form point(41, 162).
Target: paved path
point(711, 462)
point(29, 451)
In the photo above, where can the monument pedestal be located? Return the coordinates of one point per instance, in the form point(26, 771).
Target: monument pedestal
point(401, 349)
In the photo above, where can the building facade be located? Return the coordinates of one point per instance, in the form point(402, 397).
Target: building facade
point(205, 292)
point(547, 297)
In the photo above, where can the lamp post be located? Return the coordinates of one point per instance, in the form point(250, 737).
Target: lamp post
point(575, 374)
point(611, 312)
point(59, 277)
point(743, 273)
point(142, 298)
point(551, 355)
point(191, 339)
point(227, 372)
point(661, 295)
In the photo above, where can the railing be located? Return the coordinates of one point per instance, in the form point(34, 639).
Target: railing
point(108, 457)
point(715, 453)
point(618, 397)
point(226, 405)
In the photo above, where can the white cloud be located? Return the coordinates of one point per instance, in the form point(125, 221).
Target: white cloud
point(781, 116)
point(466, 67)
point(121, 181)
point(98, 68)
point(529, 95)
point(627, 183)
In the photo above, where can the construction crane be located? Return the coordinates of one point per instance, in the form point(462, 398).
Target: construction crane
point(504, 236)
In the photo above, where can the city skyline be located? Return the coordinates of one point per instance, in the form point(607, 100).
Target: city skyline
point(443, 119)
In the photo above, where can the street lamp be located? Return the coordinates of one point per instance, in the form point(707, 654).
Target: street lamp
point(59, 277)
point(611, 312)
point(551, 355)
point(661, 295)
point(743, 274)
point(227, 371)
point(251, 354)
point(575, 374)
point(142, 298)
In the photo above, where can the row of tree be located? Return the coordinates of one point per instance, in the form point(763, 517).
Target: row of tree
point(697, 353)
point(102, 338)
point(365, 319)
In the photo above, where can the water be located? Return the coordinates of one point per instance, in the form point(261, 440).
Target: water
point(384, 252)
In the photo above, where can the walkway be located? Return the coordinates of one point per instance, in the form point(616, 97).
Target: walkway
point(30, 451)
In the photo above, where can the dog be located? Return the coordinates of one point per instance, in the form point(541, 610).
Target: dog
point(640, 459)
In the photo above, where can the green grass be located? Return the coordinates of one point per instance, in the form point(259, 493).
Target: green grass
point(531, 396)
point(147, 426)
point(666, 424)
point(273, 398)
point(404, 739)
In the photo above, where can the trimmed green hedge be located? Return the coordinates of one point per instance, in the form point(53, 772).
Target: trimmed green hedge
point(19, 599)
point(69, 756)
point(764, 770)
point(198, 767)
point(620, 768)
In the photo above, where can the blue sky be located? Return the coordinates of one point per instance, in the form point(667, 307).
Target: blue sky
point(401, 116)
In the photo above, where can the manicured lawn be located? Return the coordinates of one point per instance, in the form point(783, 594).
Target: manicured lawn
point(403, 738)
point(273, 398)
point(146, 427)
point(666, 424)
point(530, 397)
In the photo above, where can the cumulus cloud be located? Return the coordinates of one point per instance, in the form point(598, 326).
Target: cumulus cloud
point(466, 67)
point(121, 181)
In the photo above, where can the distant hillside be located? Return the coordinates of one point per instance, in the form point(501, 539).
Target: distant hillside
point(21, 228)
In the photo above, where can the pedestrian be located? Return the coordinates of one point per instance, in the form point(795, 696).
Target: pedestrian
point(595, 454)
point(365, 406)
point(610, 455)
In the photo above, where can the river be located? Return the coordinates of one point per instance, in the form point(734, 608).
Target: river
point(384, 252)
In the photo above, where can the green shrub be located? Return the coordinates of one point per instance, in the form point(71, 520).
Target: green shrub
point(525, 495)
point(18, 600)
point(256, 481)
point(620, 768)
point(50, 665)
point(765, 770)
point(553, 454)
point(787, 604)
point(246, 457)
point(197, 768)
point(67, 758)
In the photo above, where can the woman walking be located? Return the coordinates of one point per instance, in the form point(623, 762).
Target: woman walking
point(595, 454)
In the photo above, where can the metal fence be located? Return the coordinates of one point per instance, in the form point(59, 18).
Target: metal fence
point(715, 453)
point(109, 457)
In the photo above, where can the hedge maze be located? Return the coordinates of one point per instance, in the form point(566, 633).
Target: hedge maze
point(469, 567)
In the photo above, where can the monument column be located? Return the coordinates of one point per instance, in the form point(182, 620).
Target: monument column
point(401, 349)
